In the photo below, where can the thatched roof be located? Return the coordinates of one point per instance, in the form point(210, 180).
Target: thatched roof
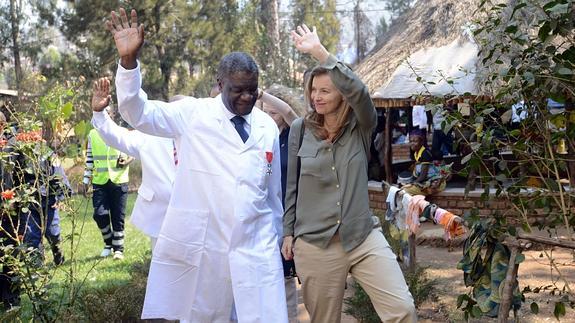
point(428, 33)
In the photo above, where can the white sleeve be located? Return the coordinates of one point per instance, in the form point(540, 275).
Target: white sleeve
point(126, 141)
point(156, 118)
point(275, 191)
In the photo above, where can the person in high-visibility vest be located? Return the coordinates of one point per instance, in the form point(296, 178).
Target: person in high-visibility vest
point(108, 169)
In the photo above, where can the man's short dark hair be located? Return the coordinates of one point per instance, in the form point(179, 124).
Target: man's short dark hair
point(235, 62)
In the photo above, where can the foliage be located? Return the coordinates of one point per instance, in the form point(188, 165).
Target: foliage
point(363, 32)
point(398, 7)
point(527, 56)
point(359, 306)
point(380, 30)
point(320, 14)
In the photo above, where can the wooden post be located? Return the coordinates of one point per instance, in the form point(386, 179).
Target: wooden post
point(387, 147)
point(509, 282)
point(412, 242)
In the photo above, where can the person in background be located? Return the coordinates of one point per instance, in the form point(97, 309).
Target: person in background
point(327, 203)
point(429, 174)
point(442, 143)
point(11, 229)
point(108, 171)
point(274, 104)
point(158, 157)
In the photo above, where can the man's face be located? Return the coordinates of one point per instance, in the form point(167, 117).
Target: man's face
point(239, 92)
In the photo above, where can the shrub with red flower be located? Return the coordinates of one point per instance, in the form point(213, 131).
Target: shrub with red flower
point(8, 195)
point(29, 136)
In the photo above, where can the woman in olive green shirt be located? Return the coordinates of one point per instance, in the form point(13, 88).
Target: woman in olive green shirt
point(327, 205)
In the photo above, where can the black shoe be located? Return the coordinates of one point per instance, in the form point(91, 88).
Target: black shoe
point(58, 258)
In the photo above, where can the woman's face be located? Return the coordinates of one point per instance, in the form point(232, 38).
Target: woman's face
point(325, 98)
point(279, 120)
point(415, 142)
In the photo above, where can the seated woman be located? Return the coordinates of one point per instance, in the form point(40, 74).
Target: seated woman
point(429, 174)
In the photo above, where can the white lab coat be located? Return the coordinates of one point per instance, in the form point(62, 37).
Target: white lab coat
point(158, 170)
point(219, 243)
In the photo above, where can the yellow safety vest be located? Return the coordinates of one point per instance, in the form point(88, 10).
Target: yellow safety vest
point(105, 162)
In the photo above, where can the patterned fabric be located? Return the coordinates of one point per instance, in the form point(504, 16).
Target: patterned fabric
point(484, 266)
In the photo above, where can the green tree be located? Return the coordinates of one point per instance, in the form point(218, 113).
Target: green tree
point(322, 15)
point(16, 44)
point(380, 30)
point(398, 7)
point(363, 31)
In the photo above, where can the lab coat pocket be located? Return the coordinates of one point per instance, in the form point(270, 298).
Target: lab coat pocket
point(310, 164)
point(182, 237)
point(146, 193)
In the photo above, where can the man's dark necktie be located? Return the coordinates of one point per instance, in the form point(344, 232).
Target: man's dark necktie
point(239, 125)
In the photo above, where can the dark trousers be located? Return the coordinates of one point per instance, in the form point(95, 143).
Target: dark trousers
point(441, 143)
point(109, 202)
point(38, 223)
point(9, 286)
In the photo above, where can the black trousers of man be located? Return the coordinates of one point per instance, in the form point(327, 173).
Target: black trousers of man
point(109, 202)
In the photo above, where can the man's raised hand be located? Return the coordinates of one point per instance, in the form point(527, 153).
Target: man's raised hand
point(100, 94)
point(128, 36)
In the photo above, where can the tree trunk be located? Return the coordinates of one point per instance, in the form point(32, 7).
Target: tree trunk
point(15, 22)
point(271, 20)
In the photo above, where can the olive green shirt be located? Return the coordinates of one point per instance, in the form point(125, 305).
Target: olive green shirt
point(332, 191)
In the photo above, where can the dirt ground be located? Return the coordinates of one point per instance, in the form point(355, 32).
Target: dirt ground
point(535, 271)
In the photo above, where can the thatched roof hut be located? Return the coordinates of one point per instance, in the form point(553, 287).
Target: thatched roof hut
point(433, 35)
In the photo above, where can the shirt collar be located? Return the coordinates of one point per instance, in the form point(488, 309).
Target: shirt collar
point(418, 154)
point(229, 115)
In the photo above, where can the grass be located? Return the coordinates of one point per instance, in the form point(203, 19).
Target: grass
point(82, 244)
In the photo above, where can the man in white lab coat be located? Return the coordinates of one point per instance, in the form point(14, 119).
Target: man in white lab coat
point(217, 254)
point(156, 155)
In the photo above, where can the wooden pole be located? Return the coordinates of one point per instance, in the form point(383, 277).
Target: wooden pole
point(509, 282)
point(412, 242)
point(548, 241)
point(387, 148)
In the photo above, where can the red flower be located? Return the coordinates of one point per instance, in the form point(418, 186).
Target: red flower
point(8, 194)
point(269, 156)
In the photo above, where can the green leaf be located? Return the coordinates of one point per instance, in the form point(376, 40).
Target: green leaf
point(67, 110)
point(476, 311)
point(511, 29)
point(529, 77)
point(465, 159)
point(519, 258)
point(501, 177)
point(565, 71)
point(544, 31)
point(525, 227)
point(559, 310)
point(460, 299)
point(534, 308)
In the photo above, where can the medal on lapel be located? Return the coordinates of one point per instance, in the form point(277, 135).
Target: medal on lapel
point(269, 158)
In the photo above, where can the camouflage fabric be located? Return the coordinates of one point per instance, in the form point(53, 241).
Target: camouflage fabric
point(484, 264)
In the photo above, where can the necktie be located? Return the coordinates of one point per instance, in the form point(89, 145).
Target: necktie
point(239, 125)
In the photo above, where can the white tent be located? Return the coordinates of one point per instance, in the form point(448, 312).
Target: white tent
point(455, 62)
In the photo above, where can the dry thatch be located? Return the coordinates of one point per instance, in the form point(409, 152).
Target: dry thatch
point(431, 23)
